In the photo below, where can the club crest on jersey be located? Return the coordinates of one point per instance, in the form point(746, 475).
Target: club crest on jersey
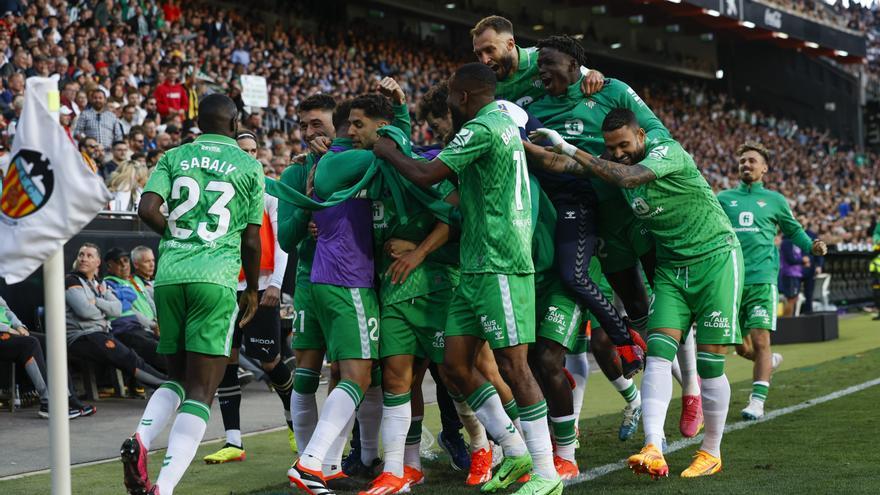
point(715, 320)
point(762, 204)
point(28, 184)
point(640, 206)
point(590, 104)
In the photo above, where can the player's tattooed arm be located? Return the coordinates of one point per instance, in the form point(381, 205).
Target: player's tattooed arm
point(619, 174)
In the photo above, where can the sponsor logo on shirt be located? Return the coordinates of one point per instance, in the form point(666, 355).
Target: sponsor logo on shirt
point(574, 127)
point(715, 320)
point(210, 147)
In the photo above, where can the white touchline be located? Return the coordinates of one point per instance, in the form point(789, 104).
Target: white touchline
point(600, 471)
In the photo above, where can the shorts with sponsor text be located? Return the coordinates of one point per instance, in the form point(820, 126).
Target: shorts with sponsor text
point(758, 307)
point(497, 308)
point(415, 327)
point(706, 293)
point(559, 317)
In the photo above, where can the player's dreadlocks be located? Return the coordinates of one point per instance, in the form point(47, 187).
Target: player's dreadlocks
point(434, 101)
point(567, 45)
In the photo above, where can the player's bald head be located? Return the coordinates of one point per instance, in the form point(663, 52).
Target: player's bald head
point(475, 78)
point(218, 115)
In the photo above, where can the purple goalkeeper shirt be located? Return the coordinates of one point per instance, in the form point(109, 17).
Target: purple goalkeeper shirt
point(344, 252)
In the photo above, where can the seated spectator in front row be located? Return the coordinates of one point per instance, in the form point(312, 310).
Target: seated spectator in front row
point(89, 305)
point(137, 326)
point(144, 263)
point(17, 345)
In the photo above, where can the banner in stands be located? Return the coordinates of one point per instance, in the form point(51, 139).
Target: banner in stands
point(254, 91)
point(767, 17)
point(49, 193)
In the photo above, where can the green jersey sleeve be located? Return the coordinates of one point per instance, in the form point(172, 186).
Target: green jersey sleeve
point(790, 227)
point(663, 159)
point(471, 143)
point(401, 119)
point(293, 222)
point(160, 179)
point(257, 204)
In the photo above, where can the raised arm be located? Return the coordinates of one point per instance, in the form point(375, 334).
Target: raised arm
point(419, 173)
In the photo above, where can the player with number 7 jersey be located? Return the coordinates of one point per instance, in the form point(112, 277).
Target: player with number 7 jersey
point(213, 190)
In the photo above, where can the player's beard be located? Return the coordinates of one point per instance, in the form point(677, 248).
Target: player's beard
point(458, 119)
point(505, 65)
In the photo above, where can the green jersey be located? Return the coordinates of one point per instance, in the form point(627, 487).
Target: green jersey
point(523, 86)
point(212, 189)
point(488, 156)
point(757, 214)
point(578, 119)
point(679, 208)
point(543, 245)
point(439, 271)
point(293, 222)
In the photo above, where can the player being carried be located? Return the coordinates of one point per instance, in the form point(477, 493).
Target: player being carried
point(495, 300)
point(214, 192)
point(698, 277)
point(757, 214)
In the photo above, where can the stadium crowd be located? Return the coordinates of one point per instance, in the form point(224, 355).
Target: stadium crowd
point(131, 76)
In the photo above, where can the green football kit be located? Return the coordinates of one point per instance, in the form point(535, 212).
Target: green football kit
point(699, 275)
point(213, 190)
point(757, 214)
point(495, 299)
point(578, 119)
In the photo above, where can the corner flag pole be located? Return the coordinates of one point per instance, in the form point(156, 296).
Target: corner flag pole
point(56, 340)
point(56, 343)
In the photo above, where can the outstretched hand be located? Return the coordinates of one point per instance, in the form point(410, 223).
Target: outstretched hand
point(557, 143)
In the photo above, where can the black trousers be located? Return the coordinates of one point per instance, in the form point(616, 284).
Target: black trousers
point(144, 343)
point(576, 242)
point(103, 348)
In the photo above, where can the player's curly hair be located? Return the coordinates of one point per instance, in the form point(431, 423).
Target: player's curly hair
point(757, 148)
point(434, 101)
point(318, 101)
point(567, 45)
point(374, 106)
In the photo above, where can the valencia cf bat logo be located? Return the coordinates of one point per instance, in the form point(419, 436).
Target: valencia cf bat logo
point(27, 185)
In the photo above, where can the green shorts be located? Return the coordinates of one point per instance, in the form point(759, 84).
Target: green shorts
point(559, 318)
point(623, 239)
point(415, 327)
point(758, 307)
point(349, 319)
point(706, 293)
point(197, 317)
point(499, 309)
point(307, 334)
point(581, 345)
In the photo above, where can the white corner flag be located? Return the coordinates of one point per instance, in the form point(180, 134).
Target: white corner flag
point(49, 193)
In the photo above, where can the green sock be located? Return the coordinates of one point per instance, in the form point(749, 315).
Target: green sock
point(760, 390)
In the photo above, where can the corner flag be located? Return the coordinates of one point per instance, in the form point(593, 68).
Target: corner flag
point(48, 192)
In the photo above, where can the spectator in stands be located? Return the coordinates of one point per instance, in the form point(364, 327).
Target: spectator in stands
point(65, 118)
point(137, 326)
point(127, 185)
point(89, 305)
point(98, 122)
point(14, 87)
point(144, 262)
point(92, 153)
point(136, 140)
point(163, 142)
point(191, 85)
point(171, 96)
point(792, 263)
point(150, 133)
point(119, 155)
point(129, 118)
point(17, 345)
point(68, 95)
